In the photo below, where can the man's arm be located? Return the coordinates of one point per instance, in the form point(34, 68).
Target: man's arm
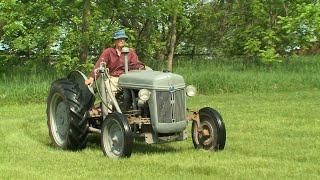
point(103, 58)
point(134, 62)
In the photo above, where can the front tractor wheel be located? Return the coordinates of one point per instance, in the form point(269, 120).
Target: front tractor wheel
point(212, 133)
point(116, 136)
point(66, 116)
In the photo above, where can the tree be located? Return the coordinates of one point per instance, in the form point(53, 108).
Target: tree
point(26, 32)
point(172, 41)
point(72, 34)
point(85, 32)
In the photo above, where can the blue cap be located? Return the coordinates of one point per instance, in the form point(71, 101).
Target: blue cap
point(119, 34)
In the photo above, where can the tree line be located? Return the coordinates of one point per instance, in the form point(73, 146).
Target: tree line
point(68, 34)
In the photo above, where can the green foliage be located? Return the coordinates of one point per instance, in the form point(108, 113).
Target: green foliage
point(254, 29)
point(269, 55)
point(301, 30)
point(70, 64)
point(252, 47)
point(257, 29)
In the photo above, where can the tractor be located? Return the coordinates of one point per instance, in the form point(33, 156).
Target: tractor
point(150, 106)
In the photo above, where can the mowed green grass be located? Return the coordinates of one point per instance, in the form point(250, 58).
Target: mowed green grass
point(272, 135)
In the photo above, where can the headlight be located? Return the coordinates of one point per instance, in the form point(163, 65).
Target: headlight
point(144, 94)
point(191, 90)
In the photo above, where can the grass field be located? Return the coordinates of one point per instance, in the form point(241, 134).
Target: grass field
point(270, 135)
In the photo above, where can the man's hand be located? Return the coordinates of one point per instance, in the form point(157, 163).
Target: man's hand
point(89, 81)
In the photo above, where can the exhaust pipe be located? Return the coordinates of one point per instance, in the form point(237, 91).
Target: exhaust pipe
point(125, 51)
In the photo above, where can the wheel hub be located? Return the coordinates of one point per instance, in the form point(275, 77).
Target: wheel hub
point(206, 135)
point(59, 118)
point(115, 139)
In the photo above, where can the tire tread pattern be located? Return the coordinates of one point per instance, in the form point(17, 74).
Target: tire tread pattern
point(76, 137)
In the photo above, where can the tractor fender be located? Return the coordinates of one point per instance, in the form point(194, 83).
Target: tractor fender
point(86, 92)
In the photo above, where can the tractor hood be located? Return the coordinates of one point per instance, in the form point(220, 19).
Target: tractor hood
point(151, 80)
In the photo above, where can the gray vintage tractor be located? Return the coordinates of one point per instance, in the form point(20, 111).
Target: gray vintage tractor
point(150, 105)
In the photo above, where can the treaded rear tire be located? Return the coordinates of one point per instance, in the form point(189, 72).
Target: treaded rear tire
point(66, 116)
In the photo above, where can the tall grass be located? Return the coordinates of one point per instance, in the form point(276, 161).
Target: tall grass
point(22, 86)
point(209, 76)
point(225, 76)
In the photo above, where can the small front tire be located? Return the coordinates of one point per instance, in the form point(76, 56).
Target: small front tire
point(116, 136)
point(213, 136)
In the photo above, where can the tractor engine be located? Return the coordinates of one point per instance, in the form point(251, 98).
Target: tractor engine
point(161, 96)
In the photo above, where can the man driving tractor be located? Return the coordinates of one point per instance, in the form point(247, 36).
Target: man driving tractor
point(114, 60)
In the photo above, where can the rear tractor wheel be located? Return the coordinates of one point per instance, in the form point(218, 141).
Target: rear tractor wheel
point(66, 115)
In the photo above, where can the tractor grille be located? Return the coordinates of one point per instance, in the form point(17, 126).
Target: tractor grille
point(171, 106)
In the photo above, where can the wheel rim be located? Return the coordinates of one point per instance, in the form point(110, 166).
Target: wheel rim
point(113, 138)
point(59, 119)
point(206, 140)
point(210, 140)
